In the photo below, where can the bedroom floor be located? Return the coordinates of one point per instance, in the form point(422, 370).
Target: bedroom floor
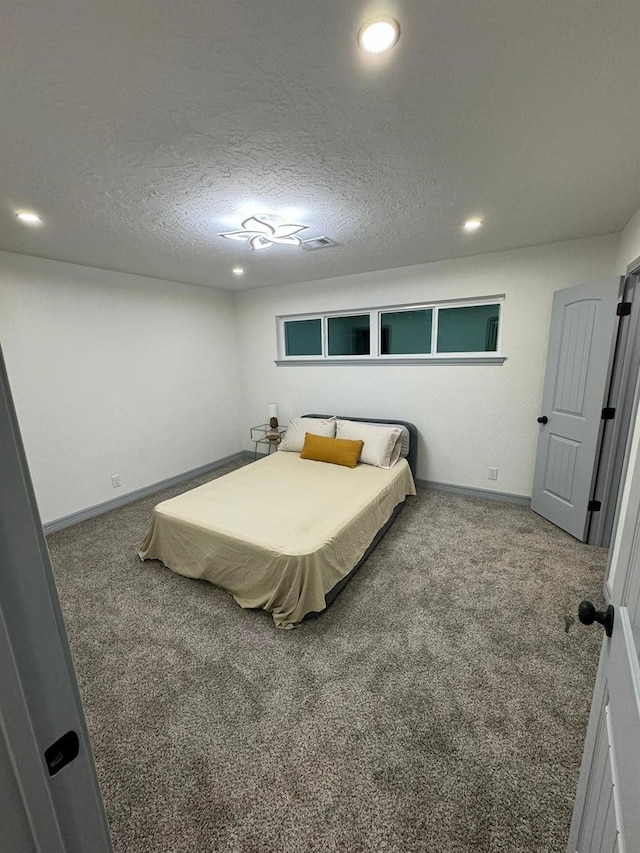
point(439, 705)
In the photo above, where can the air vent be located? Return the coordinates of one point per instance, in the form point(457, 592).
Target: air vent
point(317, 243)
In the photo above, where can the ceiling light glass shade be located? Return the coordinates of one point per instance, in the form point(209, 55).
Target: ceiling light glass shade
point(265, 230)
point(29, 218)
point(237, 271)
point(379, 35)
point(472, 224)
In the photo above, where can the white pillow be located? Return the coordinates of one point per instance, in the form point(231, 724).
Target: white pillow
point(294, 437)
point(382, 444)
point(406, 441)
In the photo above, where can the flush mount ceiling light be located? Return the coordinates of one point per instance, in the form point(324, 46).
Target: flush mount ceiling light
point(379, 35)
point(265, 230)
point(28, 217)
point(238, 270)
point(472, 224)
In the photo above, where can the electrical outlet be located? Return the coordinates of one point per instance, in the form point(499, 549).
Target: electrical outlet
point(493, 474)
point(115, 481)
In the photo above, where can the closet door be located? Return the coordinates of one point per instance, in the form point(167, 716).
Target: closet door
point(579, 363)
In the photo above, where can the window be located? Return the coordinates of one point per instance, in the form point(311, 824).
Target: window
point(303, 337)
point(467, 330)
point(405, 332)
point(349, 335)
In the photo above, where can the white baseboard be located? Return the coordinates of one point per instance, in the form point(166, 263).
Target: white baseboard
point(130, 497)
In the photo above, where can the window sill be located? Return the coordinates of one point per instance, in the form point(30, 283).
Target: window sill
point(359, 362)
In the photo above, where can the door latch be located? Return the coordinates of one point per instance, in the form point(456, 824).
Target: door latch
point(62, 752)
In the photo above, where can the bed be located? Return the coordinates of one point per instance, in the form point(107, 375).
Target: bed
point(284, 533)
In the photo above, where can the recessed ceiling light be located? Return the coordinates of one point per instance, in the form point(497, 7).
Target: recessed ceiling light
point(238, 271)
point(472, 224)
point(379, 35)
point(28, 217)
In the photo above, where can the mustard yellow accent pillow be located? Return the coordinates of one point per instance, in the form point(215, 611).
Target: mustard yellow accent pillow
point(339, 451)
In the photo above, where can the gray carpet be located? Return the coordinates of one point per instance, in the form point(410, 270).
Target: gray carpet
point(439, 705)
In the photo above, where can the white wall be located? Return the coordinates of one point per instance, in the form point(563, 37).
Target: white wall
point(115, 374)
point(469, 417)
point(629, 246)
point(121, 374)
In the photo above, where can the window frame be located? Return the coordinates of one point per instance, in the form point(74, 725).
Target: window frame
point(375, 335)
point(282, 340)
point(471, 304)
point(399, 310)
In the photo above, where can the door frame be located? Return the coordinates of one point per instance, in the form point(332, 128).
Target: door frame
point(621, 394)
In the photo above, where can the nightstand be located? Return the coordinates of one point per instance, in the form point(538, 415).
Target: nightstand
point(266, 435)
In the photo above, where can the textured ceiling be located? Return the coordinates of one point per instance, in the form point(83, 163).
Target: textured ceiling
point(139, 130)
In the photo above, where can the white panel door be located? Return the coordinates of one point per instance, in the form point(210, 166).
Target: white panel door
point(607, 808)
point(50, 801)
point(579, 359)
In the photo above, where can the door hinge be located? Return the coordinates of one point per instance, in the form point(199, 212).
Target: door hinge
point(608, 414)
point(623, 309)
point(594, 506)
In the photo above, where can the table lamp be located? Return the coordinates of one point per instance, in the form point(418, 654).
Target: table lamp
point(273, 415)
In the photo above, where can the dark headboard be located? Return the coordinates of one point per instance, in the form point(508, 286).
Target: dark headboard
point(412, 455)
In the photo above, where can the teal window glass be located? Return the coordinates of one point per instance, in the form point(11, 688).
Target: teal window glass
point(469, 328)
point(349, 335)
point(406, 332)
point(303, 337)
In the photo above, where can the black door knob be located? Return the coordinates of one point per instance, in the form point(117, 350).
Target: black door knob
point(543, 419)
point(587, 614)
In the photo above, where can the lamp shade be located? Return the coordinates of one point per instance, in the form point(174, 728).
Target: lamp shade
point(273, 410)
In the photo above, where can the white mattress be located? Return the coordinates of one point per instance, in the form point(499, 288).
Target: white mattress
point(278, 533)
